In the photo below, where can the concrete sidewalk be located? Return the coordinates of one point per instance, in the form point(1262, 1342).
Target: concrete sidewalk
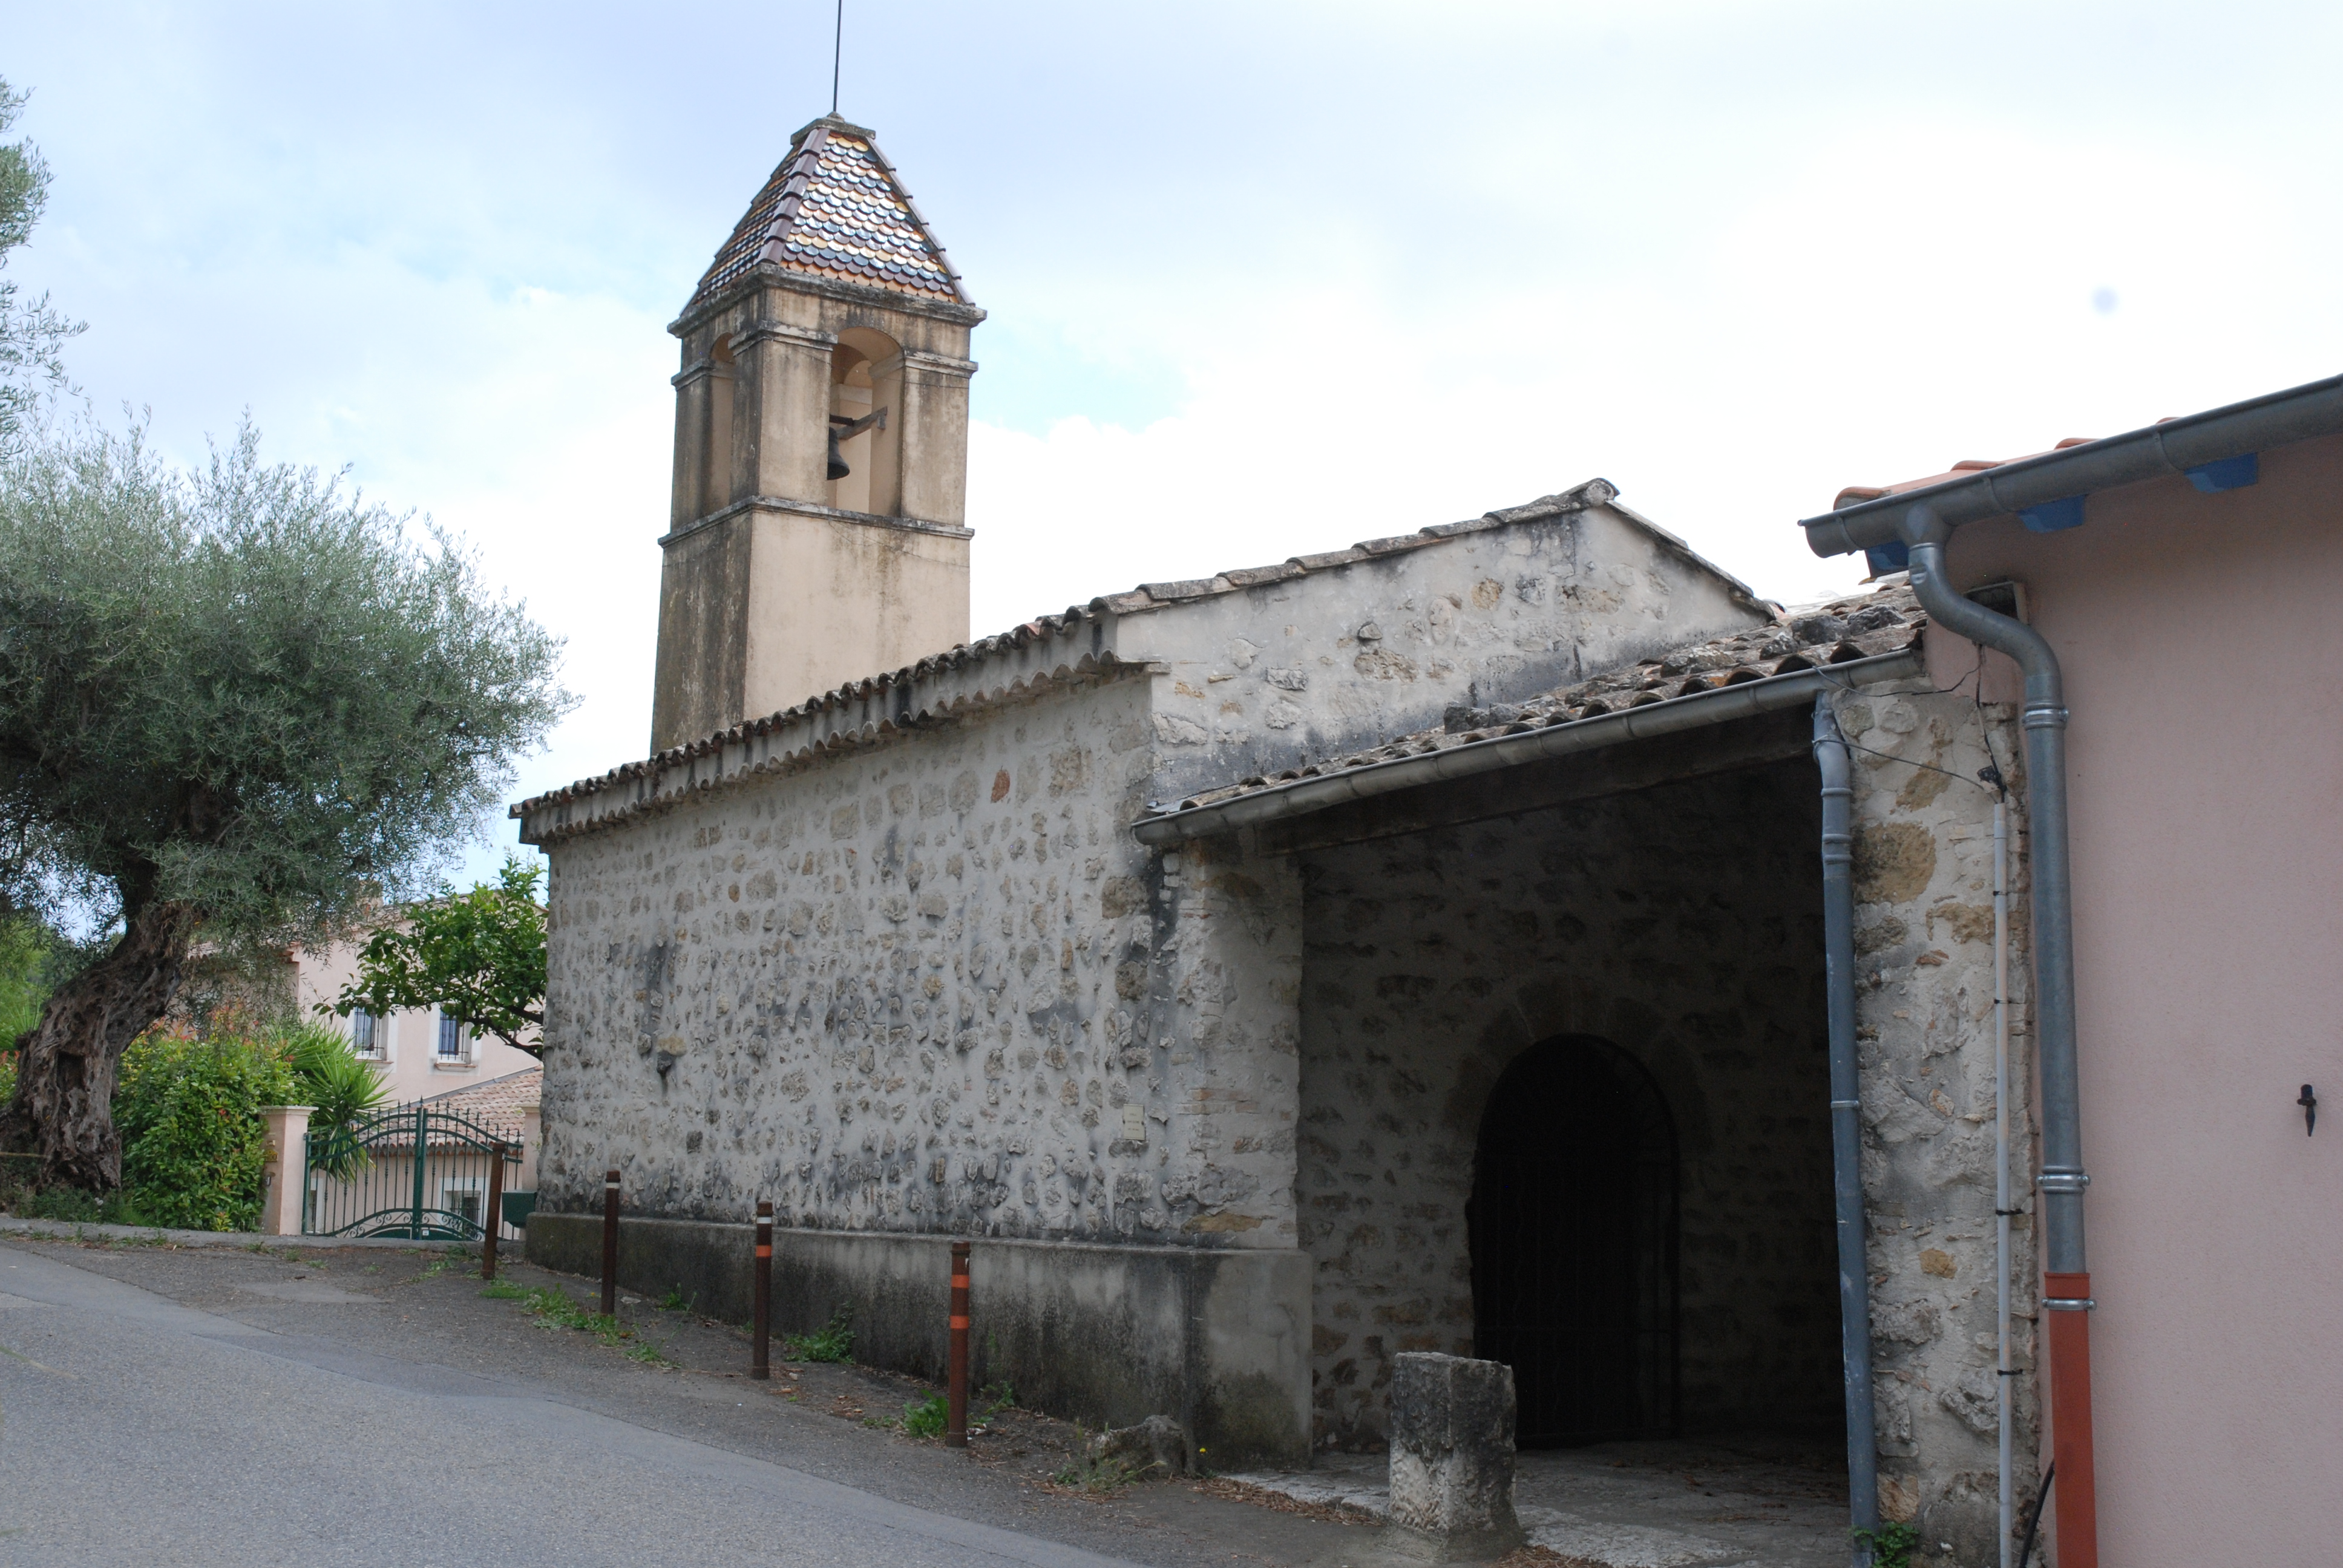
point(1634, 1504)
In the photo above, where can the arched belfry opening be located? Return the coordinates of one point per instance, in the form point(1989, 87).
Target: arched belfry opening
point(866, 382)
point(1574, 1236)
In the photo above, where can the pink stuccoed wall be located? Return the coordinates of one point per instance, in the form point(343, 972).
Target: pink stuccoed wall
point(2202, 637)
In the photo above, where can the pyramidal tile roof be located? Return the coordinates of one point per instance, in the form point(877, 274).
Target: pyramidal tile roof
point(834, 209)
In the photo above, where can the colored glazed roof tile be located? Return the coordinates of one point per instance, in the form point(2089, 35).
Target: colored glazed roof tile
point(834, 209)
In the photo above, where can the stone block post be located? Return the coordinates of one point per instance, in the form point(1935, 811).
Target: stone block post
point(1452, 1458)
point(532, 1139)
point(285, 1177)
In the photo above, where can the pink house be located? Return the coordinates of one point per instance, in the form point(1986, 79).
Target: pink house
point(2180, 576)
point(420, 1053)
point(423, 1054)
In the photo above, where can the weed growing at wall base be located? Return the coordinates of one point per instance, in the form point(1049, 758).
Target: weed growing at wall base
point(1097, 1473)
point(553, 1309)
point(926, 1417)
point(833, 1342)
point(1891, 1544)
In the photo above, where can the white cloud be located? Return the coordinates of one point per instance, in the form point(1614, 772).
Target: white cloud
point(1337, 270)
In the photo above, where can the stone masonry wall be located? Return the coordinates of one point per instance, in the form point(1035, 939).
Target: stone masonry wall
point(1356, 651)
point(1682, 923)
point(1924, 1001)
point(929, 984)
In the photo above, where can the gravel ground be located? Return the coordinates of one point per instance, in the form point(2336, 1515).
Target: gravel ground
point(168, 1404)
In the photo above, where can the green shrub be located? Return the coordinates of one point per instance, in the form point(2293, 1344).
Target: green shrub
point(68, 1203)
point(189, 1109)
point(26, 962)
point(76, 1206)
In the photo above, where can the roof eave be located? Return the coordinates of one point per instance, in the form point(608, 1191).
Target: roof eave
point(2175, 446)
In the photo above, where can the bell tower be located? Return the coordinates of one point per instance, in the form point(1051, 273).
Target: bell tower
point(817, 534)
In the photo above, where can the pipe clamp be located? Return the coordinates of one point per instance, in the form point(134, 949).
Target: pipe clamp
point(2070, 1303)
point(2044, 718)
point(2058, 1181)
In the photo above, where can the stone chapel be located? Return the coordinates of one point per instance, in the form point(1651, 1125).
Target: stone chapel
point(1410, 944)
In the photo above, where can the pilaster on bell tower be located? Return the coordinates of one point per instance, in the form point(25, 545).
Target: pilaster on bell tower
point(817, 534)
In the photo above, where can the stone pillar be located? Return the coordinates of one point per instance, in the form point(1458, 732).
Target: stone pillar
point(689, 502)
point(1452, 1458)
point(934, 442)
point(782, 412)
point(285, 1176)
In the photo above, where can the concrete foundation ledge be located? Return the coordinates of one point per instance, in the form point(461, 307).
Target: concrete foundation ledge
point(1107, 1335)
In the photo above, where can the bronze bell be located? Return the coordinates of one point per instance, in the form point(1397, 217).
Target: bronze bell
point(842, 429)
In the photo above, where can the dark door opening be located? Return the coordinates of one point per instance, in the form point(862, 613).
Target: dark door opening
point(1573, 1237)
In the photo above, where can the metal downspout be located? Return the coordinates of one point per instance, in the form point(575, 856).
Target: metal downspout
point(1846, 1127)
point(2067, 1281)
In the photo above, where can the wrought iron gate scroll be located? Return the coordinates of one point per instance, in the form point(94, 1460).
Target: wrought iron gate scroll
point(408, 1171)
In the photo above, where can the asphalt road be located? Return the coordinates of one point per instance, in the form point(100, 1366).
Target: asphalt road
point(136, 1428)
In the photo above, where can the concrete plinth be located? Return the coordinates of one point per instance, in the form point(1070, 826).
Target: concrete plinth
point(1104, 1335)
point(1452, 1458)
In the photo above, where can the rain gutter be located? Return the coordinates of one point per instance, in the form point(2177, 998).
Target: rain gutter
point(1302, 797)
point(2216, 450)
point(1837, 771)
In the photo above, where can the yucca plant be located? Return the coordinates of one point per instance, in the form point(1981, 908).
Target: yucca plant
point(340, 1087)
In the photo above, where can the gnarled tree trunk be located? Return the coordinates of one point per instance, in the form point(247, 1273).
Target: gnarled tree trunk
point(66, 1063)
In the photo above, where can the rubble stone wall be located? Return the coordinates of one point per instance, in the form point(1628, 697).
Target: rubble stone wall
point(1350, 655)
point(1684, 924)
point(1924, 1007)
point(929, 984)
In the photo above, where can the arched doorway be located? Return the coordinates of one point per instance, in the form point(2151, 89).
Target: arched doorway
point(1574, 1236)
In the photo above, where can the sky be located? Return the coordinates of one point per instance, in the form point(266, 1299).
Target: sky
point(1264, 278)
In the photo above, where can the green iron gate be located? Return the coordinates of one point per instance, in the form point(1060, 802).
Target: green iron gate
point(409, 1171)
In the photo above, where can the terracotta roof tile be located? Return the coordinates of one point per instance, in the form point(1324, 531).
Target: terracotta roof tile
point(1853, 493)
point(497, 1104)
point(834, 209)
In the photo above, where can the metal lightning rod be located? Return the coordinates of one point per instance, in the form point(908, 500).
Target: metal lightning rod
point(836, 52)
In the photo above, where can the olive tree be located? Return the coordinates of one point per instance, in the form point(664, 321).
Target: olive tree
point(234, 701)
point(32, 333)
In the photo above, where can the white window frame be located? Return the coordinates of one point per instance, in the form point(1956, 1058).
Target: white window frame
point(374, 1047)
point(466, 1040)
